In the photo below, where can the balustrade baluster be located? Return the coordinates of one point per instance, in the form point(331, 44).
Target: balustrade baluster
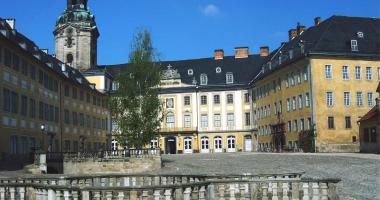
point(324, 192)
point(75, 195)
point(157, 180)
point(126, 181)
point(265, 191)
point(44, 194)
point(12, 193)
point(285, 190)
point(21, 192)
point(103, 182)
point(305, 188)
point(96, 195)
point(254, 191)
point(315, 187)
point(295, 191)
point(134, 181)
point(85, 195)
point(157, 195)
point(211, 191)
point(120, 195)
point(178, 193)
point(232, 191)
point(221, 189)
point(66, 195)
point(202, 193)
point(145, 195)
point(242, 191)
point(274, 191)
point(195, 193)
point(164, 180)
point(2, 193)
point(168, 194)
point(187, 194)
point(109, 195)
point(58, 195)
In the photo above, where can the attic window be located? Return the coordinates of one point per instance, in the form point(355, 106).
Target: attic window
point(218, 70)
point(354, 45)
point(229, 78)
point(203, 79)
point(360, 34)
point(190, 72)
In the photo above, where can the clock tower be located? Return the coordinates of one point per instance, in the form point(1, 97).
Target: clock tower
point(76, 36)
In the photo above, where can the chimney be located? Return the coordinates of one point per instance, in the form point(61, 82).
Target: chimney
point(219, 54)
point(241, 52)
point(264, 51)
point(292, 34)
point(12, 23)
point(300, 28)
point(317, 21)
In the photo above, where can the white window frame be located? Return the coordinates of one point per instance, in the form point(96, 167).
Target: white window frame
point(187, 145)
point(328, 72)
point(218, 144)
point(346, 99)
point(306, 73)
point(370, 98)
point(294, 103)
point(230, 120)
point(230, 99)
point(368, 73)
point(345, 72)
point(231, 143)
point(288, 104)
point(329, 99)
point(354, 45)
point(359, 99)
point(358, 72)
point(204, 100)
point(205, 144)
point(300, 101)
point(307, 99)
point(229, 78)
point(204, 121)
point(190, 72)
point(187, 121)
point(217, 120)
point(204, 79)
point(299, 77)
point(170, 120)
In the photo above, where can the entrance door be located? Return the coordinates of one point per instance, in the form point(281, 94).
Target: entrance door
point(231, 144)
point(248, 143)
point(170, 145)
point(204, 145)
point(218, 147)
point(187, 145)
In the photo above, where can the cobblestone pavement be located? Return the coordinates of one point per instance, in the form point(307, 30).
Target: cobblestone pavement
point(360, 173)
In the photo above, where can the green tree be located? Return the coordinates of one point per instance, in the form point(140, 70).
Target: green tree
point(307, 139)
point(136, 106)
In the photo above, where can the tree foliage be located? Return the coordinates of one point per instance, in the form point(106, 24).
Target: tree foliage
point(136, 106)
point(307, 139)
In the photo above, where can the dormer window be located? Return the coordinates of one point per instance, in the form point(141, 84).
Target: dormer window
point(218, 70)
point(203, 79)
point(354, 45)
point(229, 78)
point(360, 34)
point(190, 72)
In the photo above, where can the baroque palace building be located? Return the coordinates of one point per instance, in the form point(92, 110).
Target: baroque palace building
point(324, 77)
point(46, 103)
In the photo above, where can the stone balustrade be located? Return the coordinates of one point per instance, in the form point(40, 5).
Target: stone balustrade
point(168, 187)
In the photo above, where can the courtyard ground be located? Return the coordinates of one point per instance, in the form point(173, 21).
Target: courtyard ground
point(360, 173)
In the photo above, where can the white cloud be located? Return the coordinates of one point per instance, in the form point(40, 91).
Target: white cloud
point(210, 10)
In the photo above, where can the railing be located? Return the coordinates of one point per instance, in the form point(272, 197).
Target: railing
point(177, 187)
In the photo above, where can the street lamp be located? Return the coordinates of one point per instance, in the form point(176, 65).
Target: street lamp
point(42, 128)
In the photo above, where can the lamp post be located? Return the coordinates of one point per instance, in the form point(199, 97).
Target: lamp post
point(42, 128)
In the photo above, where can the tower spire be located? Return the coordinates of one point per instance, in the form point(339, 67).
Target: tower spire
point(77, 4)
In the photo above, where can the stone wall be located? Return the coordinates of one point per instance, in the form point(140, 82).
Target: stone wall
point(104, 166)
point(338, 148)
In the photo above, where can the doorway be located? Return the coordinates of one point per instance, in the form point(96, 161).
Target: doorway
point(187, 145)
point(247, 143)
point(170, 145)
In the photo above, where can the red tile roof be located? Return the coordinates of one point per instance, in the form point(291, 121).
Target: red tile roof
point(372, 113)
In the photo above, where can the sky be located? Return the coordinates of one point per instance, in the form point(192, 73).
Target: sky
point(184, 29)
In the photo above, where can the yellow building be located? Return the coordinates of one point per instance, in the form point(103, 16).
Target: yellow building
point(325, 76)
point(37, 89)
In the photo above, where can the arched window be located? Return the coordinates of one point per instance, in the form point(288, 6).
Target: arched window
point(231, 143)
point(187, 145)
point(229, 78)
point(170, 120)
point(204, 79)
point(204, 144)
point(69, 59)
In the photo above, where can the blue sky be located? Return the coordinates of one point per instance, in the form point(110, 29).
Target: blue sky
point(184, 29)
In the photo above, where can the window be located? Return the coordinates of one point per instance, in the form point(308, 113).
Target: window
point(81, 119)
point(75, 118)
point(88, 121)
point(24, 68)
point(370, 98)
point(230, 99)
point(204, 143)
point(216, 99)
point(230, 120)
point(287, 81)
point(329, 99)
point(231, 142)
point(32, 108)
point(186, 100)
point(358, 73)
point(345, 73)
point(229, 78)
point(302, 121)
point(354, 45)
point(292, 80)
point(14, 144)
point(6, 100)
point(67, 91)
point(203, 79)
point(307, 99)
point(217, 120)
point(204, 121)
point(378, 73)
point(247, 119)
point(330, 121)
point(346, 97)
point(81, 95)
point(275, 108)
point(32, 70)
point(368, 72)
point(359, 98)
point(170, 120)
point(187, 121)
point(295, 125)
point(74, 93)
point(309, 123)
point(306, 73)
point(348, 122)
point(88, 97)
point(203, 100)
point(24, 105)
point(300, 101)
point(299, 77)
point(169, 103)
point(16, 62)
point(7, 57)
point(294, 103)
point(279, 83)
point(328, 71)
point(14, 102)
point(289, 126)
point(288, 104)
point(190, 72)
point(360, 34)
point(218, 70)
point(280, 105)
point(246, 98)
